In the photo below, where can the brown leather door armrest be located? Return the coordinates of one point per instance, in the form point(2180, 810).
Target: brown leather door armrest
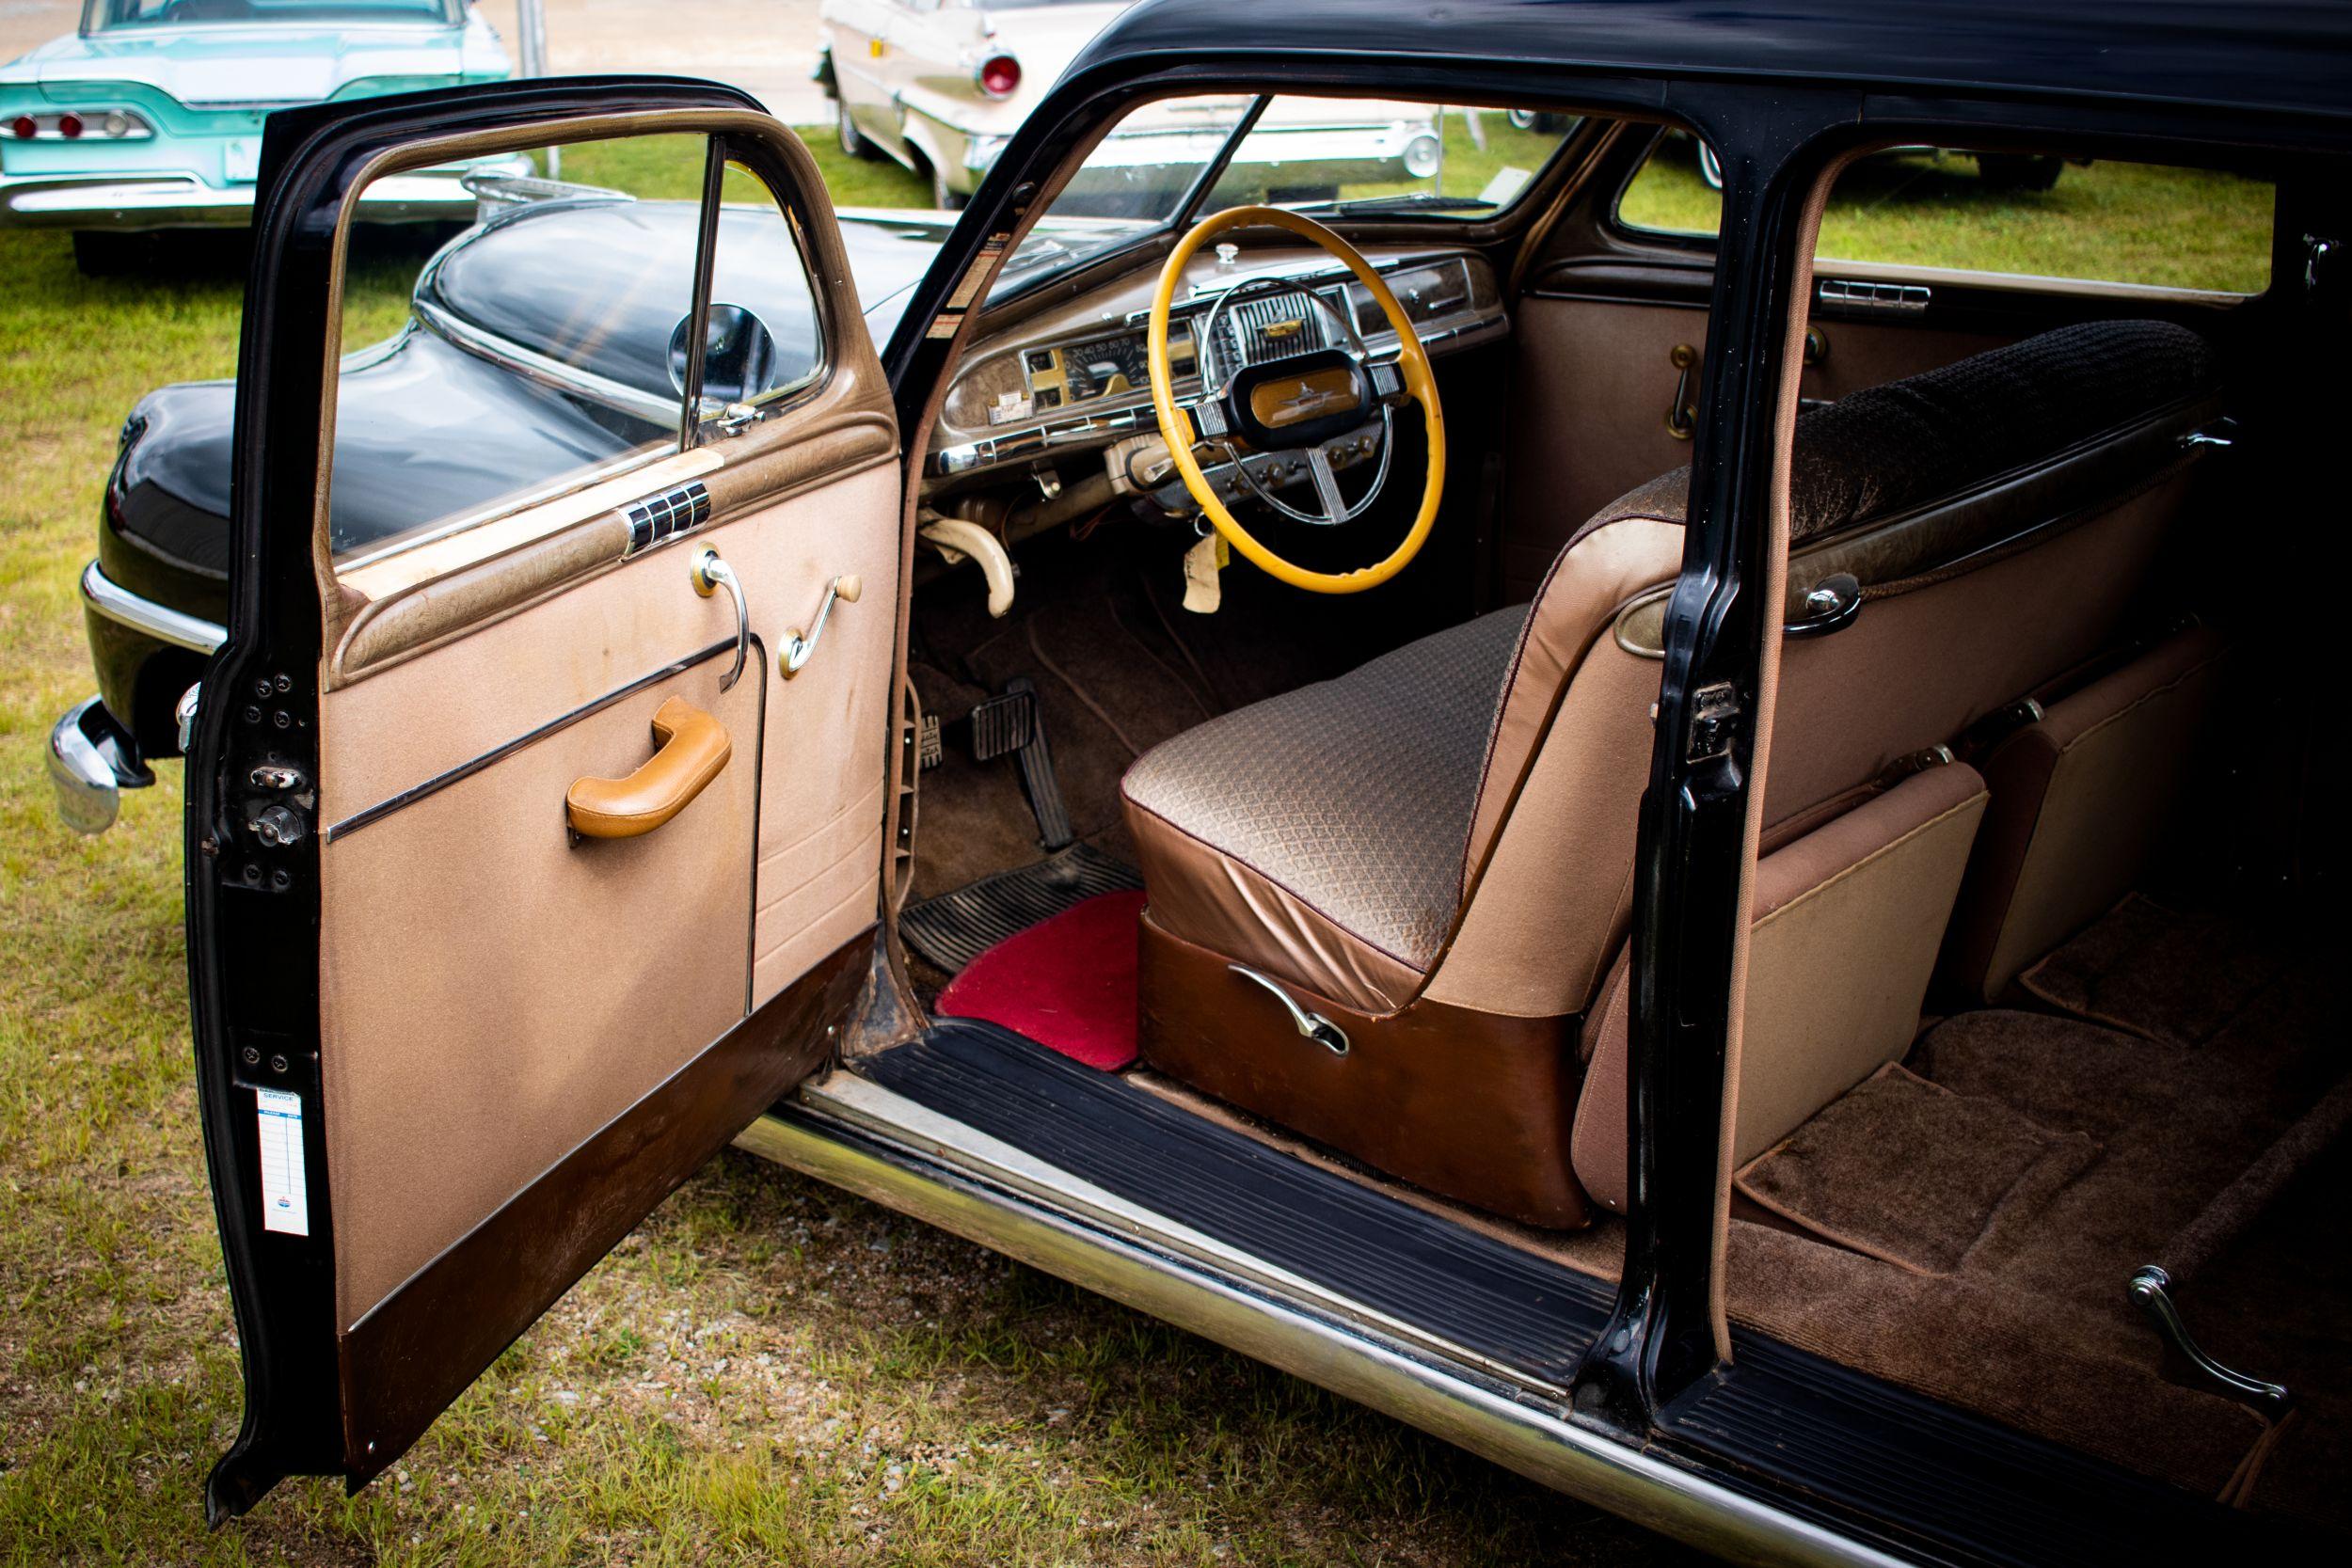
point(695, 749)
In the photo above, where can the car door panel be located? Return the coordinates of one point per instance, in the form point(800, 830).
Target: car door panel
point(518, 1039)
point(1594, 378)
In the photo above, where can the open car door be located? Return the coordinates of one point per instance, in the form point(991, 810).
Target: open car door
point(536, 802)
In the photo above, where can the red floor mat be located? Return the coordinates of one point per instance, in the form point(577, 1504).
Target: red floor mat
point(1068, 983)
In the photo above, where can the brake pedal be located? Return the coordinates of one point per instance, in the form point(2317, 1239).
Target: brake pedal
point(1011, 721)
point(1005, 723)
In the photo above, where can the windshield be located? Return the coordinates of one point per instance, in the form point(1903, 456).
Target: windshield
point(100, 16)
point(1334, 156)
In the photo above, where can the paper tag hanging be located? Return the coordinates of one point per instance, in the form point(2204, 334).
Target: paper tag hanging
point(1202, 592)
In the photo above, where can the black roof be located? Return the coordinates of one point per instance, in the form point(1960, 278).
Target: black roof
point(2271, 57)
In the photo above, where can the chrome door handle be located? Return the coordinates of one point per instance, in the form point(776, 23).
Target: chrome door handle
point(710, 574)
point(798, 649)
point(1313, 1026)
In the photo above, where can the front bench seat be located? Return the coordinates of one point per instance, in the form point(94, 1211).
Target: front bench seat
point(1435, 852)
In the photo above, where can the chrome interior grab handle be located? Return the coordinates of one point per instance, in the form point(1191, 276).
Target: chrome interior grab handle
point(710, 574)
point(798, 649)
point(1314, 1026)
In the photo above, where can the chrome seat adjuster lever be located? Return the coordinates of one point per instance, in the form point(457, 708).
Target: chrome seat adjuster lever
point(1313, 1026)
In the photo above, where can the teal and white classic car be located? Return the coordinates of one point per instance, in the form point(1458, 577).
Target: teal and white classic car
point(150, 116)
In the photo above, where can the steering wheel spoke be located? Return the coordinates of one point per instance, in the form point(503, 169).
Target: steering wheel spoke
point(1327, 484)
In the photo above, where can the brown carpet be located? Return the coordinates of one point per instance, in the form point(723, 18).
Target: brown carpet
point(1855, 1176)
point(2147, 969)
point(2031, 1325)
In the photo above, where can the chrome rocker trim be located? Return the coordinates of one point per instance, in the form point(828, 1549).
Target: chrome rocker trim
point(922, 1178)
point(106, 597)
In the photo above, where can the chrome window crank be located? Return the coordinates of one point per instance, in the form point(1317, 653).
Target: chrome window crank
point(798, 649)
point(1314, 1026)
point(710, 574)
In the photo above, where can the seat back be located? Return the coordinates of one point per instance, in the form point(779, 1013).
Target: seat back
point(2083, 795)
point(2001, 518)
point(1848, 920)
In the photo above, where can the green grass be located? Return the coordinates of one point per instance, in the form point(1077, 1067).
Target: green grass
point(765, 1370)
point(2111, 222)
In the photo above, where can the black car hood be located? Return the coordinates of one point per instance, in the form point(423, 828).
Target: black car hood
point(601, 285)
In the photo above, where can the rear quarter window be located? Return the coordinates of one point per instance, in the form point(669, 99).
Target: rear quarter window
point(2099, 222)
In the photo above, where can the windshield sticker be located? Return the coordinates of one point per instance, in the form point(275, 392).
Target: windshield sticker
point(285, 1186)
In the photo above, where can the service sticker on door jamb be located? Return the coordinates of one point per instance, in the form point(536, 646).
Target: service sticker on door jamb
point(285, 1187)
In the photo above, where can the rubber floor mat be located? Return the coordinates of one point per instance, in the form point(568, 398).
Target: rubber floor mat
point(952, 930)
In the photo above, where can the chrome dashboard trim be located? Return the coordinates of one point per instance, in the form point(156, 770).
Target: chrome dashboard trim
point(1492, 1418)
point(116, 603)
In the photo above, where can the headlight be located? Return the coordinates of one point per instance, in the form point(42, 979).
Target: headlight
point(1423, 155)
point(82, 125)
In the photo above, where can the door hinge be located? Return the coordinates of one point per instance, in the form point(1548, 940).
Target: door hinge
point(1714, 719)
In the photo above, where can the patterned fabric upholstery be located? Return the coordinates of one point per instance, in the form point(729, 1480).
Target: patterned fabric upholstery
point(1356, 793)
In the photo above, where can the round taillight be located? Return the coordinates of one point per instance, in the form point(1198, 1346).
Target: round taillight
point(68, 126)
point(117, 123)
point(999, 75)
point(26, 127)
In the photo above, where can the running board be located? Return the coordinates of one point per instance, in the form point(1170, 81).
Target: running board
point(1093, 1143)
point(898, 1122)
point(1544, 1444)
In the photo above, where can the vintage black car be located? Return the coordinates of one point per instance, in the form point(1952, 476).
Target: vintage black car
point(1688, 860)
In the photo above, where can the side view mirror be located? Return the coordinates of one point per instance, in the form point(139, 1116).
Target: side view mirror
point(739, 355)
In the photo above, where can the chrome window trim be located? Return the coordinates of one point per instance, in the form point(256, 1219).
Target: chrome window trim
point(553, 490)
point(110, 599)
point(1535, 1438)
point(550, 373)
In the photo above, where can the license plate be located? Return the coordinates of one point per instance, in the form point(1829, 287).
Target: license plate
point(241, 160)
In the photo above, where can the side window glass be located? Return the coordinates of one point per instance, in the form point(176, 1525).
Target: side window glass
point(2041, 216)
point(506, 379)
point(763, 340)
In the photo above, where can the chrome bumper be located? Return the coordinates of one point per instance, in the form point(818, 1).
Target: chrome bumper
point(183, 201)
point(93, 759)
point(91, 762)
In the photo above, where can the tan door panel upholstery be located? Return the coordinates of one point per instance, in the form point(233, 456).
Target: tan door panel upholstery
point(459, 981)
point(814, 766)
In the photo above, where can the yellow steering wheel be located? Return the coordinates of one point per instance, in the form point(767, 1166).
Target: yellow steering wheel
point(1306, 404)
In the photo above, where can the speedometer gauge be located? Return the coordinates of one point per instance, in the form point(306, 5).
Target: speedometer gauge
point(1104, 367)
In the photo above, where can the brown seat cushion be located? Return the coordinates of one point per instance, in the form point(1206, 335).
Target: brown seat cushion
point(1352, 797)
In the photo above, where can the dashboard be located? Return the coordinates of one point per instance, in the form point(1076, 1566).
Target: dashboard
point(1074, 377)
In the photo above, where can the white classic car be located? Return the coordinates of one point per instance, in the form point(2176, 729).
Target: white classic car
point(941, 85)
